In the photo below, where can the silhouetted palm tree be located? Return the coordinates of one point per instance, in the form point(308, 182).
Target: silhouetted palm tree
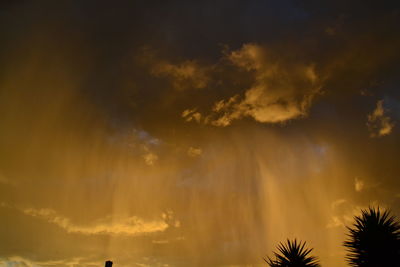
point(374, 240)
point(293, 254)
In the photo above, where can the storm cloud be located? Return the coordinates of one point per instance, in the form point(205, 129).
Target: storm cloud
point(193, 133)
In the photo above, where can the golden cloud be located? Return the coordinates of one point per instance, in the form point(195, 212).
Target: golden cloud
point(194, 151)
point(379, 124)
point(343, 213)
point(358, 184)
point(130, 226)
point(281, 90)
point(191, 115)
point(18, 261)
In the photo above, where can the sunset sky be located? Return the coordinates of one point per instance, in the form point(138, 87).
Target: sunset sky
point(193, 133)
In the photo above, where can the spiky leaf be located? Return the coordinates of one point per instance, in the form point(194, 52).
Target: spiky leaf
point(293, 254)
point(374, 240)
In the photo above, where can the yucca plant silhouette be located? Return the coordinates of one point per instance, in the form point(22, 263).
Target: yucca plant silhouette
point(292, 254)
point(374, 240)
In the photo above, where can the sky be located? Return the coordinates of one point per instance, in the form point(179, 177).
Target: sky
point(193, 133)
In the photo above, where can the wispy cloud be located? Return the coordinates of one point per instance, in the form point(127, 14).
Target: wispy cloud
point(358, 184)
point(150, 158)
point(185, 75)
point(379, 124)
point(343, 213)
point(18, 261)
point(194, 151)
point(131, 226)
point(191, 115)
point(344, 210)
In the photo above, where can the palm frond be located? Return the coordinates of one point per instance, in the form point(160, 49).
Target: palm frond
point(373, 239)
point(292, 254)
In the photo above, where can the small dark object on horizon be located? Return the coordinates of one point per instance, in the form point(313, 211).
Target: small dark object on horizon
point(109, 264)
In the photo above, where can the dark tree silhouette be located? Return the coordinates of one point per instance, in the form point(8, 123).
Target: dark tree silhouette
point(293, 254)
point(374, 240)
